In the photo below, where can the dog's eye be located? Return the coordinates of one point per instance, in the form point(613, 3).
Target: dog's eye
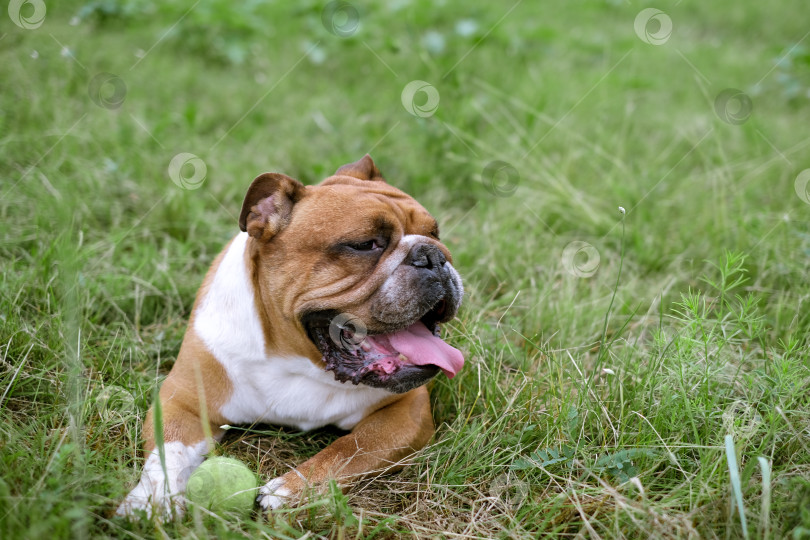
point(368, 245)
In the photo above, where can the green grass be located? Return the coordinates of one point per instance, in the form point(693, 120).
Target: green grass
point(572, 418)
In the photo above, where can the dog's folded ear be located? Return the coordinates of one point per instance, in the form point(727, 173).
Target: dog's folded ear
point(268, 205)
point(363, 169)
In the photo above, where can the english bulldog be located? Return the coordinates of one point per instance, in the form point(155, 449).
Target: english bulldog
point(324, 310)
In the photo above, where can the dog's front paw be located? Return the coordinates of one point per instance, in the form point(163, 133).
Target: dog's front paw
point(142, 500)
point(274, 494)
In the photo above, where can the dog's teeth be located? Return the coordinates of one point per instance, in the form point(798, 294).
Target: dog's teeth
point(402, 358)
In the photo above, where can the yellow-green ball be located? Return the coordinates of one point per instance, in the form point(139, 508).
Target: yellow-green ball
point(223, 485)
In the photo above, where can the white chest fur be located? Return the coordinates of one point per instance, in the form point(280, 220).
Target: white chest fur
point(278, 390)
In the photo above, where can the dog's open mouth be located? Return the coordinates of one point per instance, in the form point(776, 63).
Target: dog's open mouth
point(398, 360)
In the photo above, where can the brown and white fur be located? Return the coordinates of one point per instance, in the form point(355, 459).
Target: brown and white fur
point(246, 356)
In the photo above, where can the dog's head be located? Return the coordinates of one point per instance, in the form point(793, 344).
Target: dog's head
point(354, 276)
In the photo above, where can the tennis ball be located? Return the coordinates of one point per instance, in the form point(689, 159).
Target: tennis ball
point(223, 485)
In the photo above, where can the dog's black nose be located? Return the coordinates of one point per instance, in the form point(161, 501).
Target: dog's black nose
point(426, 256)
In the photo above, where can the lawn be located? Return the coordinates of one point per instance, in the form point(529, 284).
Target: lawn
point(635, 373)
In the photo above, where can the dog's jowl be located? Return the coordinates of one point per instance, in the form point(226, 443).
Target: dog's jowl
point(325, 309)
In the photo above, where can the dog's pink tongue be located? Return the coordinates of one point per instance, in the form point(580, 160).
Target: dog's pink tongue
point(423, 348)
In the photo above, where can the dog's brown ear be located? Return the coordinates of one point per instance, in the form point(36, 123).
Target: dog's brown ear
point(364, 169)
point(268, 205)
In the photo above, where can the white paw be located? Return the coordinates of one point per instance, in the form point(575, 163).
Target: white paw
point(157, 494)
point(273, 494)
point(145, 500)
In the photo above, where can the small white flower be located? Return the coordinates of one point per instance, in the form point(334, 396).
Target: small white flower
point(608, 371)
point(621, 210)
point(466, 27)
point(315, 53)
point(434, 42)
